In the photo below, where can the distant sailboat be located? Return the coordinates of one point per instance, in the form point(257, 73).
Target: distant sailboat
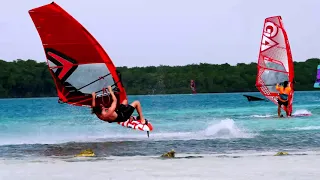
point(317, 83)
point(193, 87)
point(253, 98)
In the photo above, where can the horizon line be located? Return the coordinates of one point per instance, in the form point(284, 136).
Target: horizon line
point(162, 65)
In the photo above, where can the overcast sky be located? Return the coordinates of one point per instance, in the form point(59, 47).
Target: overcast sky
point(168, 32)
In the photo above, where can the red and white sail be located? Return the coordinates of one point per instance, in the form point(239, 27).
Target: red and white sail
point(77, 62)
point(275, 63)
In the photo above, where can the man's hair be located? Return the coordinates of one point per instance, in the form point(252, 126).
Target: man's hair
point(96, 110)
point(285, 83)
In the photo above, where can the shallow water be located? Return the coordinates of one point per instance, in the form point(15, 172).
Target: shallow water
point(40, 133)
point(201, 123)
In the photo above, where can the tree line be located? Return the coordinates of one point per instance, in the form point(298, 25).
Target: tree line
point(29, 78)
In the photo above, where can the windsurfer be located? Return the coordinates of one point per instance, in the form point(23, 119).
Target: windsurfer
point(114, 114)
point(283, 97)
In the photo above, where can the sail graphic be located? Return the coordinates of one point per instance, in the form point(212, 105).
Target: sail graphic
point(317, 83)
point(193, 86)
point(275, 64)
point(77, 62)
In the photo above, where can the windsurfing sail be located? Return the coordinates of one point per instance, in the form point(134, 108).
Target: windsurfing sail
point(253, 98)
point(317, 83)
point(193, 86)
point(275, 64)
point(77, 62)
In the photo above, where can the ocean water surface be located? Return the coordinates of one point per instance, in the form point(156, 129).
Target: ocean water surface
point(215, 136)
point(190, 124)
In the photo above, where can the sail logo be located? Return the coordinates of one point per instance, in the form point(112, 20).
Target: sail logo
point(64, 66)
point(270, 31)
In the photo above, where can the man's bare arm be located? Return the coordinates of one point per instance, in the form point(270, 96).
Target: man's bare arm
point(114, 100)
point(113, 106)
point(93, 99)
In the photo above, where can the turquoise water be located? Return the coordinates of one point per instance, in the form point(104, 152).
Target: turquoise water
point(201, 124)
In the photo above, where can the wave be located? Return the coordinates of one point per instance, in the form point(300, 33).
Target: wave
point(223, 129)
point(261, 116)
point(301, 112)
point(227, 129)
point(306, 128)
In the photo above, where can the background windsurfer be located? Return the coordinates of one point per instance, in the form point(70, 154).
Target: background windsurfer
point(114, 114)
point(283, 97)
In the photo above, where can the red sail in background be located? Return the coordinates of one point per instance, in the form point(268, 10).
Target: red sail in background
point(77, 62)
point(275, 63)
point(193, 86)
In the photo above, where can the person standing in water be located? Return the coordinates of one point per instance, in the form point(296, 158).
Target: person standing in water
point(283, 98)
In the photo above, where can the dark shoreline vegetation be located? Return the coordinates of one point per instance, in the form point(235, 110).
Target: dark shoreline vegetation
point(28, 78)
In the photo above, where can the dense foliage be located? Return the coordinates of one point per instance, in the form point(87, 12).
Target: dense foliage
point(32, 79)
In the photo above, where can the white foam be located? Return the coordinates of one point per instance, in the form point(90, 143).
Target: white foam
point(225, 128)
point(261, 116)
point(306, 128)
point(301, 112)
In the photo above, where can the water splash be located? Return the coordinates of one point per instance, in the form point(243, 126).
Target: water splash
point(301, 112)
point(226, 129)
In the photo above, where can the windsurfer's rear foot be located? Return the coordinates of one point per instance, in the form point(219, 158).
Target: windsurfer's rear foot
point(132, 119)
point(143, 121)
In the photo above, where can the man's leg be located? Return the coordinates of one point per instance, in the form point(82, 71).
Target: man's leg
point(124, 102)
point(131, 118)
point(287, 109)
point(137, 106)
point(289, 106)
point(279, 108)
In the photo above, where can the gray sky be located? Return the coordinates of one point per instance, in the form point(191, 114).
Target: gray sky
point(168, 32)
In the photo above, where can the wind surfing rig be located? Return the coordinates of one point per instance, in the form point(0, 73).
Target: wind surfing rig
point(193, 86)
point(317, 83)
point(77, 62)
point(275, 64)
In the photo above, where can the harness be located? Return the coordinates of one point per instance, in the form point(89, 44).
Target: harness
point(284, 97)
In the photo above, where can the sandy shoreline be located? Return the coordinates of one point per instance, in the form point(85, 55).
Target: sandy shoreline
point(242, 168)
